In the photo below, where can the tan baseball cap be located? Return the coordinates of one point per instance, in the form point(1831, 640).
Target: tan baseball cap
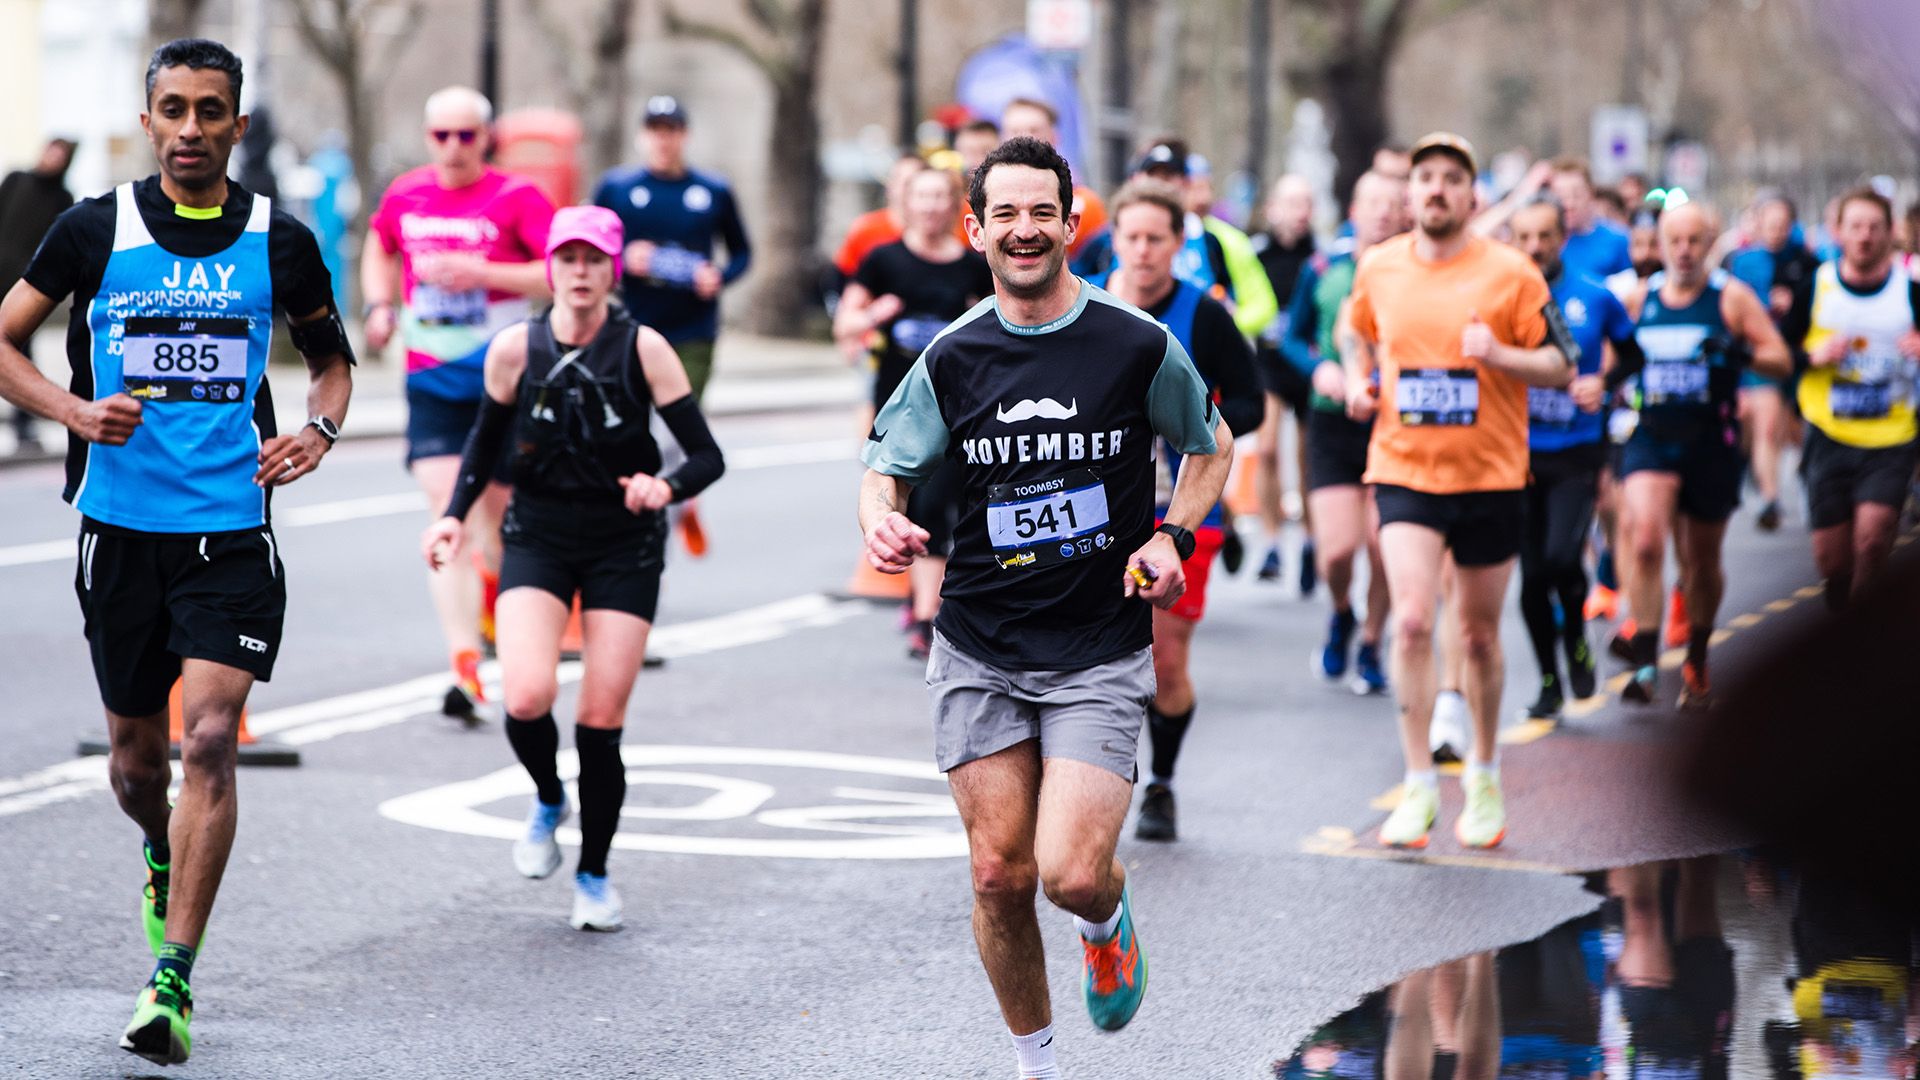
point(1446, 142)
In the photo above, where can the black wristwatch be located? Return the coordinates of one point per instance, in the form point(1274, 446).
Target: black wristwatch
point(328, 430)
point(1182, 539)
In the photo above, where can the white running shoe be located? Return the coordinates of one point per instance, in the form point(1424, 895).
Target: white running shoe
point(537, 854)
point(1449, 736)
point(596, 904)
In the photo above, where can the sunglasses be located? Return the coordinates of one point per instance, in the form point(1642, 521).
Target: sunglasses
point(465, 135)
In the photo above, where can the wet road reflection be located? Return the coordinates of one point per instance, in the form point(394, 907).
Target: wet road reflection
point(1721, 966)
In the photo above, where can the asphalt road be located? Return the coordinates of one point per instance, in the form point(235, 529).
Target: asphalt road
point(795, 888)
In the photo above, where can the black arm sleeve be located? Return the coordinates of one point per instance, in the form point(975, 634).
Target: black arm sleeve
point(1225, 361)
point(704, 463)
point(1628, 361)
point(482, 452)
point(1798, 322)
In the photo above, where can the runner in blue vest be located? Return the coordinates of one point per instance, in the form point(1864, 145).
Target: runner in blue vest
point(174, 458)
point(1566, 435)
point(1147, 217)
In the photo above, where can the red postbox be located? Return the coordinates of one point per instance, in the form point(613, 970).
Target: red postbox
point(542, 145)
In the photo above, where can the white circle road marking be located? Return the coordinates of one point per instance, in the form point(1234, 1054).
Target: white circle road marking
point(455, 807)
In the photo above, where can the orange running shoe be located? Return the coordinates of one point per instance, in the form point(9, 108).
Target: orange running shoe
point(466, 697)
point(1695, 694)
point(691, 534)
point(1679, 627)
point(1602, 603)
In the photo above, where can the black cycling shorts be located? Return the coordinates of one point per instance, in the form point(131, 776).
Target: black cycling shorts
point(152, 600)
point(590, 547)
point(1336, 449)
point(1481, 528)
point(1839, 477)
point(1280, 378)
point(1709, 465)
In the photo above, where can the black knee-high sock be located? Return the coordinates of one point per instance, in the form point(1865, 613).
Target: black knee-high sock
point(1573, 602)
point(1165, 733)
point(1697, 646)
point(1646, 647)
point(1536, 609)
point(603, 790)
point(535, 741)
point(1838, 589)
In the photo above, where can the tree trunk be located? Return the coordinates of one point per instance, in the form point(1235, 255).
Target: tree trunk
point(1356, 87)
point(170, 19)
point(786, 264)
point(605, 109)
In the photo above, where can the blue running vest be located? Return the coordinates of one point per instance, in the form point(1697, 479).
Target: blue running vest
point(188, 338)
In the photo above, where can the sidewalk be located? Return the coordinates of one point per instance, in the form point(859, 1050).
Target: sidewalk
point(751, 375)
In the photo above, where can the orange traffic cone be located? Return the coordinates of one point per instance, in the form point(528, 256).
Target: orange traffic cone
point(870, 584)
point(572, 641)
point(1243, 494)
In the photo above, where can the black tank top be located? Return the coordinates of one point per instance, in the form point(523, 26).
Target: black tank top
point(583, 414)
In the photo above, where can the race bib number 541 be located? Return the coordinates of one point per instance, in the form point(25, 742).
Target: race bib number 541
point(1048, 521)
point(192, 360)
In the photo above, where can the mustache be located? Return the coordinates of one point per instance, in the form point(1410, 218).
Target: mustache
point(1046, 409)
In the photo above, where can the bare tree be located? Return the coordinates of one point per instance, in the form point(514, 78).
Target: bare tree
point(597, 90)
point(1874, 43)
point(782, 39)
point(170, 19)
point(342, 34)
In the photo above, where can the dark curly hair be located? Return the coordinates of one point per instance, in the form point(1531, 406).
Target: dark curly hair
point(1031, 153)
point(198, 54)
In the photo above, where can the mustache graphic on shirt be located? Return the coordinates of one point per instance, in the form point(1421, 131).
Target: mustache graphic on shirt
point(1046, 408)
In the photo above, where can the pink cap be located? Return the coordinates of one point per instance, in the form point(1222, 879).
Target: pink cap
point(595, 225)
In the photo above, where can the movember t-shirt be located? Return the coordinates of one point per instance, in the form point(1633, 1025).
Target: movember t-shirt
point(1052, 429)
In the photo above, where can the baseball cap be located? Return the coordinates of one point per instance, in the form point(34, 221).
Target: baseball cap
point(664, 109)
point(595, 225)
point(1162, 156)
point(1445, 142)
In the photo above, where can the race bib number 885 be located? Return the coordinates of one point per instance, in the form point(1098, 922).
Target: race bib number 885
point(168, 359)
point(1048, 521)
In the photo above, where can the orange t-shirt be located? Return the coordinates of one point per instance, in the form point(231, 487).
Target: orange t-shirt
point(1457, 425)
point(870, 230)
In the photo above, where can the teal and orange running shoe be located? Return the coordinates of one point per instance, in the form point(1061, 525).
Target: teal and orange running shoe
point(1114, 976)
point(158, 1031)
point(153, 902)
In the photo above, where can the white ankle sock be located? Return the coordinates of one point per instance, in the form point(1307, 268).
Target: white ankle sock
point(1036, 1055)
point(1424, 777)
point(1100, 931)
point(1491, 768)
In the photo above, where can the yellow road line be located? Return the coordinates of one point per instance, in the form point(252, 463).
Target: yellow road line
point(1742, 622)
point(1777, 606)
point(1343, 844)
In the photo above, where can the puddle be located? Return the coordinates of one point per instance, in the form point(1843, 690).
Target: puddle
point(1723, 966)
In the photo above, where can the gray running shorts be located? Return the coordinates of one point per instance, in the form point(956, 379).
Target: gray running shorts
point(1092, 715)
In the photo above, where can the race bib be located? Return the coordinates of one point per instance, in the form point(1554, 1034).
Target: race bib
point(1426, 397)
point(1551, 408)
point(1676, 382)
point(674, 266)
point(1048, 521)
point(435, 306)
point(1865, 363)
point(912, 334)
point(168, 359)
point(1861, 401)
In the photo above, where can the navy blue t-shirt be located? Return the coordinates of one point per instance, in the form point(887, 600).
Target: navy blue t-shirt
point(683, 216)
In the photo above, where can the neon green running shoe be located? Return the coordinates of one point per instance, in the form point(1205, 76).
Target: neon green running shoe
point(1113, 974)
point(158, 1031)
point(1483, 823)
point(153, 902)
point(1412, 820)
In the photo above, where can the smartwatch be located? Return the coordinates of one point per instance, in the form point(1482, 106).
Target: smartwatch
point(328, 430)
point(1182, 539)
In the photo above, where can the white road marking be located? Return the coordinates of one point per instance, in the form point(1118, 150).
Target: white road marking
point(411, 502)
point(370, 710)
point(873, 815)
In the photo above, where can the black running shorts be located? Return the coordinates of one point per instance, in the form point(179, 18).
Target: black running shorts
point(594, 548)
point(152, 600)
point(1482, 528)
point(1839, 477)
